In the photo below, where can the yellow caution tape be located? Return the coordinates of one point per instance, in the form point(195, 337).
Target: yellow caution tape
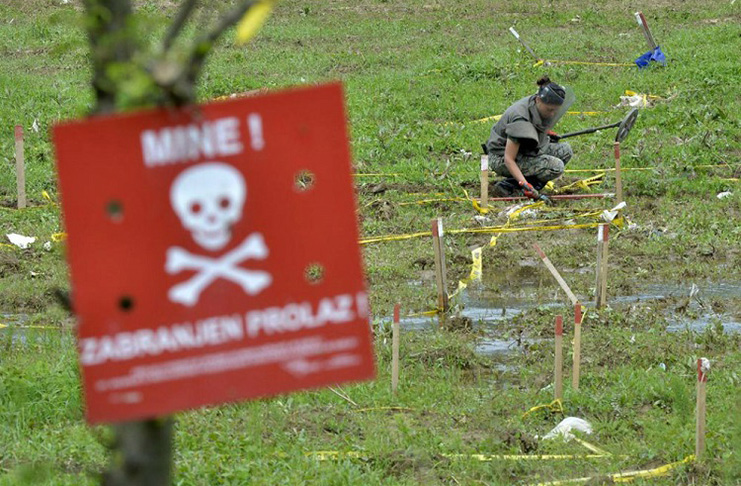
point(587, 63)
point(384, 409)
point(476, 267)
point(428, 201)
point(645, 96)
point(378, 239)
point(591, 447)
point(584, 184)
point(253, 19)
point(497, 117)
point(664, 470)
point(377, 174)
point(476, 254)
point(554, 406)
point(21, 326)
point(430, 313)
point(332, 455)
point(478, 207)
point(488, 118)
point(622, 169)
point(509, 227)
point(626, 477)
point(46, 196)
point(521, 457)
point(483, 230)
point(500, 229)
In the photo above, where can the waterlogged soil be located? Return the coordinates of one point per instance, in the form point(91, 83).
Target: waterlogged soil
point(495, 309)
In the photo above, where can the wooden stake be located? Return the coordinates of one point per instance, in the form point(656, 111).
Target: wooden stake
point(555, 273)
point(484, 201)
point(438, 246)
point(703, 366)
point(395, 350)
point(618, 175)
point(577, 346)
point(603, 236)
point(558, 370)
point(646, 31)
point(20, 169)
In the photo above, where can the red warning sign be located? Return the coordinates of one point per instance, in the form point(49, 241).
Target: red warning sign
point(214, 253)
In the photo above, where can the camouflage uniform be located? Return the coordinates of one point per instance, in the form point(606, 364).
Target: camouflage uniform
point(537, 169)
point(539, 160)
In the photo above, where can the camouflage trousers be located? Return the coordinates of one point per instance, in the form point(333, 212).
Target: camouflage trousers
point(537, 169)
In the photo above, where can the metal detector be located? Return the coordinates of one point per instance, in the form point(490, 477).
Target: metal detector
point(624, 127)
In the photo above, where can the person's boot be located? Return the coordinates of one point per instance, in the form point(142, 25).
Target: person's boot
point(506, 188)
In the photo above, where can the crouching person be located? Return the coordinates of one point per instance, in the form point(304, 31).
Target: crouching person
point(519, 147)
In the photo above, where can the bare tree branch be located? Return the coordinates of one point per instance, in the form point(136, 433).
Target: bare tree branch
point(184, 88)
point(106, 24)
point(184, 13)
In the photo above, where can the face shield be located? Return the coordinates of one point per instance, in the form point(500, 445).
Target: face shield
point(568, 100)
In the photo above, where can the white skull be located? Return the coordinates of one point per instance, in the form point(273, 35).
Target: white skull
point(208, 198)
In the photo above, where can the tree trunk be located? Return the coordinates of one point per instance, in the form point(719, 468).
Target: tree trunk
point(142, 454)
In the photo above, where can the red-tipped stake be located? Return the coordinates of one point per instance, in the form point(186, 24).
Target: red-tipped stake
point(20, 170)
point(618, 175)
point(558, 370)
point(577, 346)
point(484, 181)
point(442, 285)
point(603, 235)
point(703, 367)
point(395, 350)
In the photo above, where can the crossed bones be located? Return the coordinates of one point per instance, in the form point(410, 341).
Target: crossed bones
point(209, 269)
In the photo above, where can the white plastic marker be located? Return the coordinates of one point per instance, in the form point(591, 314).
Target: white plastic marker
point(555, 274)
point(254, 121)
point(603, 236)
point(439, 248)
point(20, 168)
point(646, 31)
point(395, 350)
point(577, 347)
point(484, 181)
point(558, 370)
point(703, 367)
point(517, 36)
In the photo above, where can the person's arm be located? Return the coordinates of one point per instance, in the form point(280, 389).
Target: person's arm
point(510, 155)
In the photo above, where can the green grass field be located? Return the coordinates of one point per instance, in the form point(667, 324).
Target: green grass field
point(418, 75)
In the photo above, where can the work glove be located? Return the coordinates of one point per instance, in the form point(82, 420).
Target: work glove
point(553, 136)
point(529, 190)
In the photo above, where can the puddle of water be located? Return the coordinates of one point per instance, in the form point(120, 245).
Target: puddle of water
point(490, 346)
point(492, 302)
point(16, 331)
point(730, 325)
point(663, 291)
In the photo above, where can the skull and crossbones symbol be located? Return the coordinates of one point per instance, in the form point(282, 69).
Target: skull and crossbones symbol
point(208, 198)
